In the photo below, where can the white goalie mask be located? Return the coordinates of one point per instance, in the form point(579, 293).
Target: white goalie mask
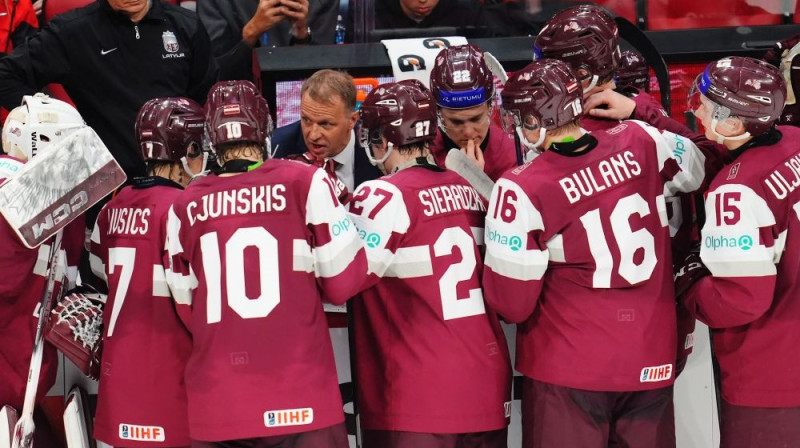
point(37, 124)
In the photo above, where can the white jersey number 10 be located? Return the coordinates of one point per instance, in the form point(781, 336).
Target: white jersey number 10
point(247, 308)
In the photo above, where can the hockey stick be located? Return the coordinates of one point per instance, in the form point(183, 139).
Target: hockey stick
point(458, 162)
point(23, 431)
point(643, 45)
point(8, 419)
point(497, 70)
point(77, 419)
point(495, 67)
point(56, 186)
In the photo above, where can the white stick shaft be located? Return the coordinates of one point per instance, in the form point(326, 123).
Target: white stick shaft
point(23, 433)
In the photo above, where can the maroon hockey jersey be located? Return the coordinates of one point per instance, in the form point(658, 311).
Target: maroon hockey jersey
point(577, 251)
point(499, 153)
point(750, 243)
point(429, 356)
point(681, 207)
point(142, 396)
point(253, 256)
point(21, 290)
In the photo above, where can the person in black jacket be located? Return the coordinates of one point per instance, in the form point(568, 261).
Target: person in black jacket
point(410, 16)
point(111, 57)
point(236, 27)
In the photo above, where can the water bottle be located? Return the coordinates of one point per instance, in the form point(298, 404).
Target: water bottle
point(340, 29)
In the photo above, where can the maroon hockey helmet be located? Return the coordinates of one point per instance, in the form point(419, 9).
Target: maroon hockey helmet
point(236, 112)
point(633, 71)
point(543, 94)
point(460, 78)
point(403, 113)
point(743, 87)
point(167, 127)
point(585, 37)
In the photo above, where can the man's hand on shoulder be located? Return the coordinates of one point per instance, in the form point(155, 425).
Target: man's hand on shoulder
point(609, 104)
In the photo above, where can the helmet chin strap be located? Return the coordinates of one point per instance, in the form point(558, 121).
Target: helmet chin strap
point(592, 84)
point(535, 147)
point(270, 150)
point(379, 162)
point(185, 164)
point(722, 138)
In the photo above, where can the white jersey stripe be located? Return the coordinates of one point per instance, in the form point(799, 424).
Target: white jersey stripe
point(414, 261)
point(160, 287)
point(530, 267)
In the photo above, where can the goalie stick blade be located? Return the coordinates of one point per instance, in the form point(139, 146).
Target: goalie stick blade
point(55, 187)
point(495, 67)
point(643, 45)
point(458, 162)
point(8, 419)
point(77, 419)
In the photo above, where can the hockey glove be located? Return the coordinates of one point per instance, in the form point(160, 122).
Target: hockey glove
point(76, 329)
point(688, 273)
point(776, 53)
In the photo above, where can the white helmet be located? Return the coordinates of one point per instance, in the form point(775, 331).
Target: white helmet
point(37, 124)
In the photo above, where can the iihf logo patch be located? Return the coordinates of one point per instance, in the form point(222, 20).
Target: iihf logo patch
point(656, 373)
point(170, 41)
point(141, 433)
point(289, 417)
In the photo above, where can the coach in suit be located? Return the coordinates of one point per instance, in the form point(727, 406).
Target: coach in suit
point(326, 128)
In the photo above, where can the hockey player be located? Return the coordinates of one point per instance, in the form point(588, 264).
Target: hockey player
point(32, 128)
point(578, 255)
point(432, 363)
point(255, 249)
point(750, 244)
point(142, 396)
point(463, 88)
point(586, 38)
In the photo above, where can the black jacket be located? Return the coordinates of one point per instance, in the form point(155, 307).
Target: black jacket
point(289, 140)
point(110, 66)
point(225, 19)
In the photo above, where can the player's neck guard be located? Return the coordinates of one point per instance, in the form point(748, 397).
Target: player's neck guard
point(239, 166)
point(421, 161)
point(586, 141)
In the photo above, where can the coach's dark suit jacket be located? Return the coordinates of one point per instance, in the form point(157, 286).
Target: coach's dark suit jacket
point(289, 140)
